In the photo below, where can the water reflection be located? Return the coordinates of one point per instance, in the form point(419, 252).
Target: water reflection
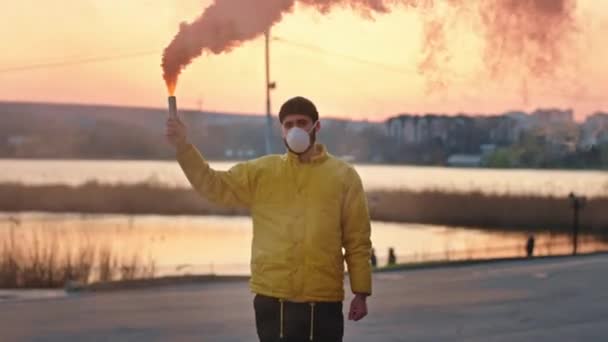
point(222, 245)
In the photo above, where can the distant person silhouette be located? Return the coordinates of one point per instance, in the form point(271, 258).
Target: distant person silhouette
point(392, 259)
point(530, 246)
point(373, 259)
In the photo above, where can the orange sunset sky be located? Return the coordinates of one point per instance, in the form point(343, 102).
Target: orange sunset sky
point(36, 32)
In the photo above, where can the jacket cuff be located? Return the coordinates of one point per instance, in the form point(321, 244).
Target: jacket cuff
point(361, 283)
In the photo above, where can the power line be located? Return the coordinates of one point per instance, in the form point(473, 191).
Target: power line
point(310, 47)
point(92, 60)
point(387, 67)
point(319, 49)
point(89, 60)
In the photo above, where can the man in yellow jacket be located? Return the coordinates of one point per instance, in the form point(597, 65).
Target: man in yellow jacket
point(307, 206)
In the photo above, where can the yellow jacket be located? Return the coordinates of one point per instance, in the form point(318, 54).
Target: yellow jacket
point(303, 215)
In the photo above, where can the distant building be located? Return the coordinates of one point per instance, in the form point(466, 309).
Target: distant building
point(459, 133)
point(487, 149)
point(395, 129)
point(521, 123)
point(240, 153)
point(557, 128)
point(464, 160)
point(464, 138)
point(410, 130)
point(594, 131)
point(356, 126)
point(438, 127)
point(17, 140)
point(543, 117)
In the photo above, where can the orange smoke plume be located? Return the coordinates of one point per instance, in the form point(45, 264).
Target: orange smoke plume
point(223, 25)
point(528, 34)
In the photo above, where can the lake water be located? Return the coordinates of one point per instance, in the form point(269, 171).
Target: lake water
point(189, 244)
point(222, 245)
point(545, 182)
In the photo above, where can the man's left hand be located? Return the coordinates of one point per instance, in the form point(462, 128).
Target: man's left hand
point(358, 307)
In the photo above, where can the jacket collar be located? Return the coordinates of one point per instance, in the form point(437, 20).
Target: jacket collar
point(320, 155)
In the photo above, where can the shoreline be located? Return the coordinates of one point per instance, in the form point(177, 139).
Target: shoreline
point(184, 280)
point(506, 212)
point(138, 284)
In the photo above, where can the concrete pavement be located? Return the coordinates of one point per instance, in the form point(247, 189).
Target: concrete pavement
point(538, 300)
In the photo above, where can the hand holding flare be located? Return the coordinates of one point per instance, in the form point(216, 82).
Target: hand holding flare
point(176, 133)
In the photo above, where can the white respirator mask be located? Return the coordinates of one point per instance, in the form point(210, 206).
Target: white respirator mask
point(299, 140)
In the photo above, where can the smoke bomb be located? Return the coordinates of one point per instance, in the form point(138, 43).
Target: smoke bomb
point(172, 107)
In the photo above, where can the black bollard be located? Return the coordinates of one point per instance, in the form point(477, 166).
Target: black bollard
point(577, 204)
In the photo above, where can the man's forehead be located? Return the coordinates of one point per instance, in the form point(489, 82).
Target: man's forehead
point(296, 117)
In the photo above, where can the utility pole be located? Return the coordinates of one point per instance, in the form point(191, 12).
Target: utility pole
point(269, 86)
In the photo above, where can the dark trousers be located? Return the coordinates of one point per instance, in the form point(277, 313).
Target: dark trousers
point(298, 322)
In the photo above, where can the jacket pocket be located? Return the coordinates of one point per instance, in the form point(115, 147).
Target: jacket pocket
point(325, 280)
point(272, 277)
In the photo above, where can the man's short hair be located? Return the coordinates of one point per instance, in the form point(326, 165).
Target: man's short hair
point(299, 105)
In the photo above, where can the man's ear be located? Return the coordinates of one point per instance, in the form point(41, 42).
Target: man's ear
point(318, 126)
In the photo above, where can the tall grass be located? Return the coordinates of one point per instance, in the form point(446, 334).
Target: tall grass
point(475, 209)
point(38, 262)
point(471, 209)
point(93, 197)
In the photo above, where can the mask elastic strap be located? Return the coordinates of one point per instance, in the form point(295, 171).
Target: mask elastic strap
point(313, 127)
